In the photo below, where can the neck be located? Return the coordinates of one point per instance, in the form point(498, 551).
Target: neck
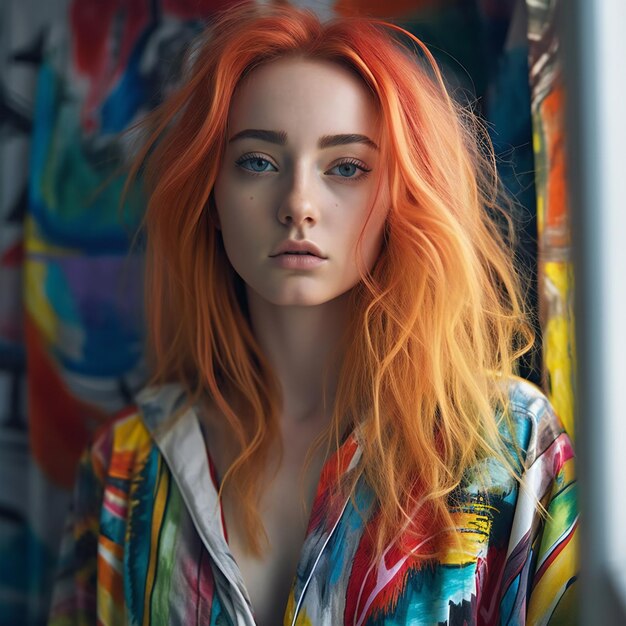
point(302, 344)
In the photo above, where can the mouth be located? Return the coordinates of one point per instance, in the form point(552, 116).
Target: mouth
point(298, 260)
point(299, 254)
point(292, 247)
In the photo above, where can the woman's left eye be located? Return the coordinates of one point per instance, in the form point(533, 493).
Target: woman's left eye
point(348, 169)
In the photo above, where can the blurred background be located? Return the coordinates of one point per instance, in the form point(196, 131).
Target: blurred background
point(74, 74)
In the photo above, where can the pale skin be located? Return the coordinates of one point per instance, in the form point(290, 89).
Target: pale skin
point(316, 179)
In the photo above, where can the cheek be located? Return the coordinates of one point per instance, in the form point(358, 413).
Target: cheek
point(239, 211)
point(245, 233)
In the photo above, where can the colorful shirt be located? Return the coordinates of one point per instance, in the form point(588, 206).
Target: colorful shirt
point(145, 541)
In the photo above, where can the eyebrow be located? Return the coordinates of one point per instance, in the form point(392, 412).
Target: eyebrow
point(280, 138)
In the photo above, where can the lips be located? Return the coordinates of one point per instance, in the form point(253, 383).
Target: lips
point(303, 248)
point(298, 262)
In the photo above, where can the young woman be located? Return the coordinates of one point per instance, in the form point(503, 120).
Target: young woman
point(333, 433)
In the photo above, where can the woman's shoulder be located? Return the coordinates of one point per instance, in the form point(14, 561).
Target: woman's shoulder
point(533, 440)
point(130, 433)
point(530, 422)
point(527, 399)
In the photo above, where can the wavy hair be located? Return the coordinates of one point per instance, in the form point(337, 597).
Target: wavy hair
point(439, 321)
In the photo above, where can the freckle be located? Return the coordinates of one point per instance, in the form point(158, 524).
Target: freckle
point(251, 197)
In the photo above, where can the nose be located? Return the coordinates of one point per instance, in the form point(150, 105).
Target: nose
point(299, 204)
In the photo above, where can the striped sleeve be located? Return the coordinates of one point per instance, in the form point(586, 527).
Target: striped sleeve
point(552, 589)
point(538, 583)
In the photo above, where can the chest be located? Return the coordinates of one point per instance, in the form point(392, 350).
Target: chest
point(286, 493)
point(268, 578)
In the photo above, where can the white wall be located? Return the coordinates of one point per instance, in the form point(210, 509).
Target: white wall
point(594, 38)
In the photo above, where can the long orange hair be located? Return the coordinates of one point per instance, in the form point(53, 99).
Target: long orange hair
point(439, 320)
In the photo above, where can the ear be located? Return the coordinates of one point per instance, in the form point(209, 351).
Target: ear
point(213, 214)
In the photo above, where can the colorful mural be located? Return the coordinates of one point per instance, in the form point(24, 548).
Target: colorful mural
point(29, 527)
point(556, 273)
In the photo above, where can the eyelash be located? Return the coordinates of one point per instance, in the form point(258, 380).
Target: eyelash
point(251, 157)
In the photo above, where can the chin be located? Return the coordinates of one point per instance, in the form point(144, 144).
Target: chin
point(301, 297)
point(299, 300)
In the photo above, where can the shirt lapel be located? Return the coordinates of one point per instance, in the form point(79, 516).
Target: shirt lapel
point(182, 445)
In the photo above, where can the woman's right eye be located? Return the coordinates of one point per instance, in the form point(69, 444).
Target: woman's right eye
point(255, 164)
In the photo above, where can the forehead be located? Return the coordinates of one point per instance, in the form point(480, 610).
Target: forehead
point(304, 97)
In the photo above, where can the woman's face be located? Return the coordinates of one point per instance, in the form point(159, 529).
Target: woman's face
point(301, 164)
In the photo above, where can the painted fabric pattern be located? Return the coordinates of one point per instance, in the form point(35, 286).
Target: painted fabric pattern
point(145, 542)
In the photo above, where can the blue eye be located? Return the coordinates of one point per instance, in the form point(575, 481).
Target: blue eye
point(256, 164)
point(348, 169)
